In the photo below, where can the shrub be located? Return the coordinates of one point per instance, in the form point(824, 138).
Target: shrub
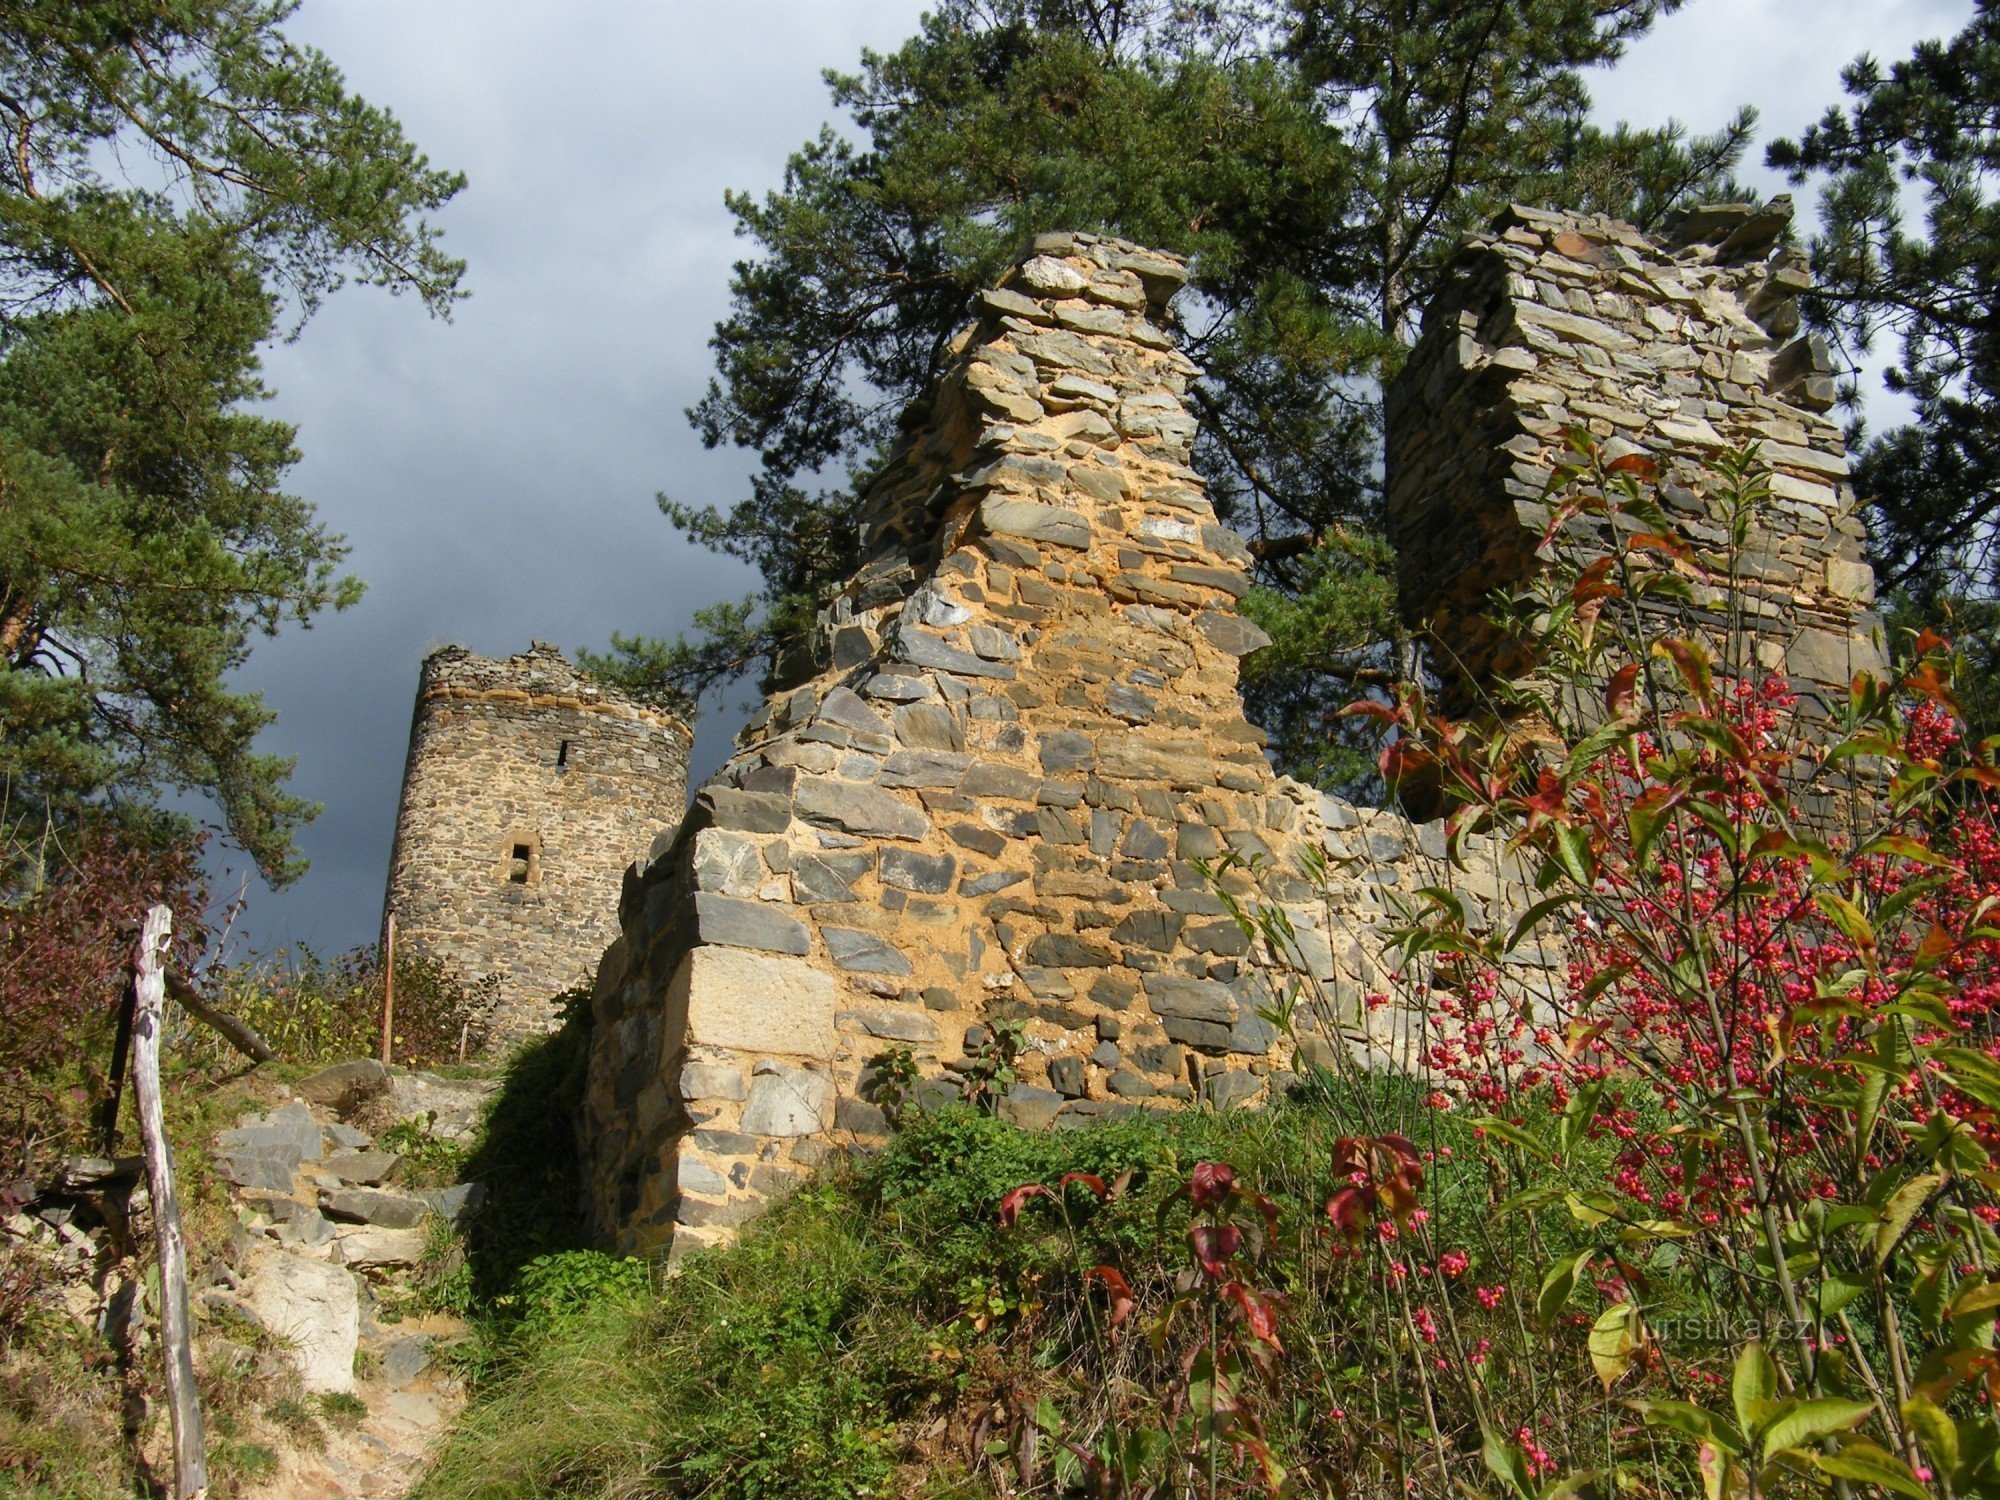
point(1779, 1011)
point(72, 905)
point(316, 1010)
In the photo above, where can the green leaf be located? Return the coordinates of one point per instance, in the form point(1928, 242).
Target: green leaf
point(1574, 854)
point(1756, 1379)
point(1592, 1208)
point(1693, 1421)
point(1935, 1430)
point(1529, 1199)
point(1446, 900)
point(1848, 917)
point(1593, 745)
point(1513, 1134)
point(1577, 1115)
point(1533, 917)
point(1903, 1206)
point(1559, 1283)
point(1971, 1072)
point(1506, 1463)
point(1617, 1335)
point(1804, 1423)
point(1837, 1291)
point(1866, 1463)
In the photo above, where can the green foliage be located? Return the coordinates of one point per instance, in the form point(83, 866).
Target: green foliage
point(178, 174)
point(526, 1155)
point(429, 1160)
point(1314, 160)
point(1926, 122)
point(314, 1010)
point(343, 1409)
point(729, 638)
point(556, 1288)
point(1333, 634)
point(807, 1358)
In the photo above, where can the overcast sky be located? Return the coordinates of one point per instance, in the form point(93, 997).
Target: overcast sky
point(495, 475)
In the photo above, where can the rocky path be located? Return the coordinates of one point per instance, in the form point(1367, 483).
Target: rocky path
point(410, 1403)
point(326, 1371)
point(332, 1229)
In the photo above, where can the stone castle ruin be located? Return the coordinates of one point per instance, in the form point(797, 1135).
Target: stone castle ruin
point(997, 785)
point(990, 797)
point(1684, 348)
point(528, 790)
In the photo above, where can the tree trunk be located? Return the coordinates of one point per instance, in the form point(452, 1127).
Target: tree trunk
point(239, 1034)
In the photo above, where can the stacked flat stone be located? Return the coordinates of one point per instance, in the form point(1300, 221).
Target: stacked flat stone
point(525, 751)
point(1684, 347)
point(990, 801)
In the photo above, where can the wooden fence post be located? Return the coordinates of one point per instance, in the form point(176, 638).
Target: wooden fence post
point(149, 987)
point(389, 993)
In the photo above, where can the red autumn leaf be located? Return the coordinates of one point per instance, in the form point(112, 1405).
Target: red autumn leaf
point(1214, 1245)
point(1931, 641)
point(1653, 541)
point(1010, 1204)
point(1401, 759)
point(1369, 708)
point(1691, 661)
point(1930, 682)
point(1595, 582)
point(1268, 1209)
point(1348, 1209)
point(1259, 1316)
point(1936, 946)
point(1090, 1180)
point(1546, 801)
point(1118, 1288)
point(1210, 1184)
point(1350, 1155)
point(1636, 464)
point(1621, 693)
point(1404, 1150)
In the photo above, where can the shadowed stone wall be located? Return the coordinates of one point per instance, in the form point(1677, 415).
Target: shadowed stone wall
point(1682, 347)
point(528, 790)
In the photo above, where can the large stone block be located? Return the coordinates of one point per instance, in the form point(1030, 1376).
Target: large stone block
point(859, 809)
point(316, 1308)
point(748, 924)
point(754, 1002)
point(787, 1101)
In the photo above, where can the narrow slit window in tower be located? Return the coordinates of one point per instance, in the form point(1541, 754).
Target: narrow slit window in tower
point(518, 863)
point(562, 755)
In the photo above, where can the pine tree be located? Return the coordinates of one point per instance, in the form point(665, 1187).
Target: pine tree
point(1927, 128)
point(180, 183)
point(1315, 161)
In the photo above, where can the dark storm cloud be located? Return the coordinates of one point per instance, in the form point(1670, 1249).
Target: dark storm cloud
point(495, 475)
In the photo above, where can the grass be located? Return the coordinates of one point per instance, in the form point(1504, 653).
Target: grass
point(855, 1338)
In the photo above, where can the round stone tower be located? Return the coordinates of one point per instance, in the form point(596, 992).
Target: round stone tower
point(528, 790)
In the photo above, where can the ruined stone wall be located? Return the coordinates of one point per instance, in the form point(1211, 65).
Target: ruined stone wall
point(527, 792)
point(989, 801)
point(993, 784)
point(1683, 347)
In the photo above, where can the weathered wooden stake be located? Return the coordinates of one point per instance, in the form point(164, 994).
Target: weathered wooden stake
point(389, 992)
point(149, 990)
